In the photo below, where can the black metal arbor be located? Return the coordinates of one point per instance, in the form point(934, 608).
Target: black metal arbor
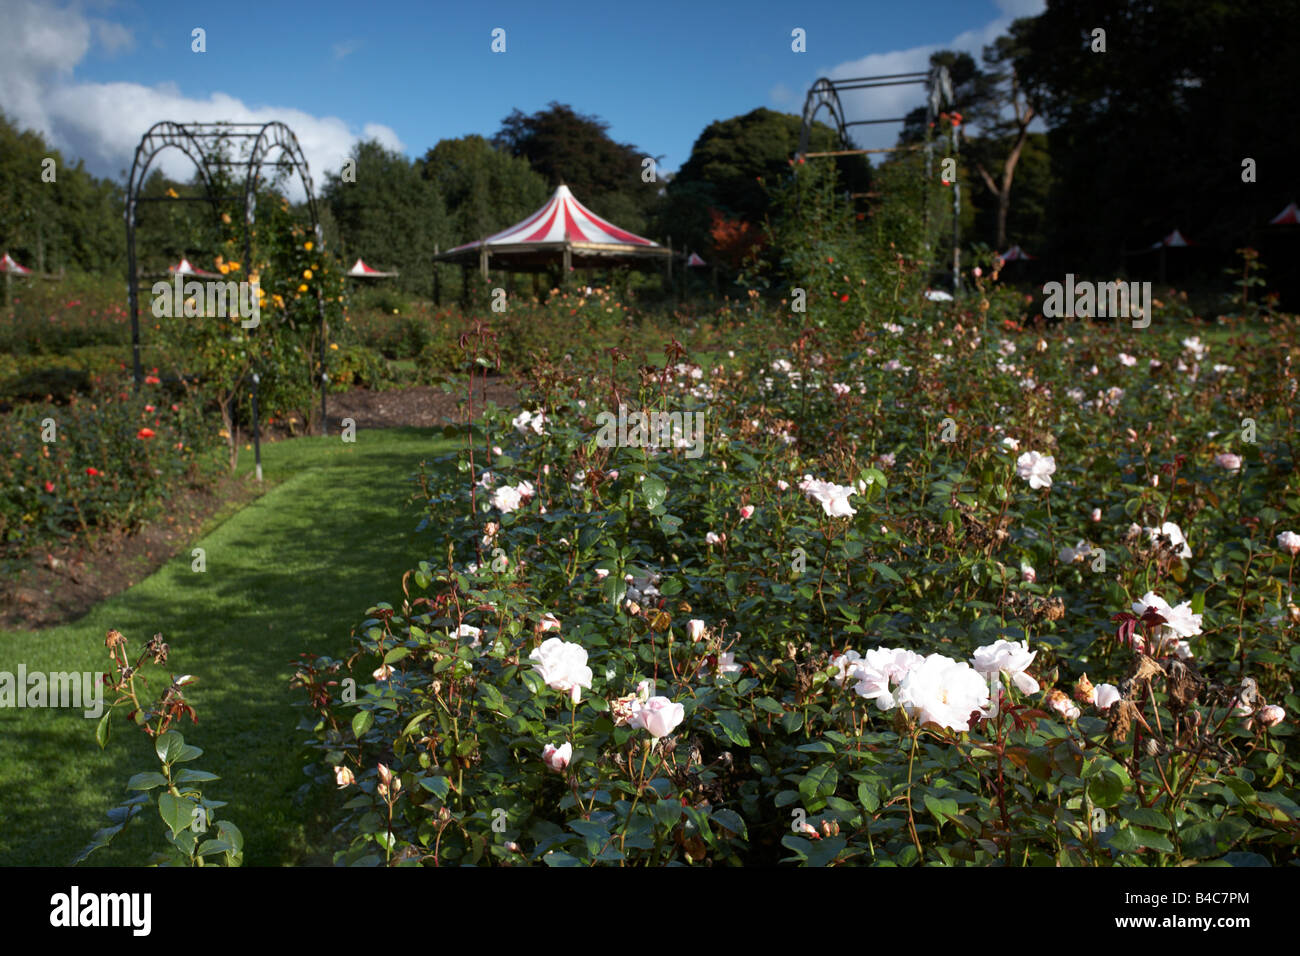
point(272, 144)
point(824, 94)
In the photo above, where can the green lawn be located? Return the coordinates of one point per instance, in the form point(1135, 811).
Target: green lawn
point(291, 572)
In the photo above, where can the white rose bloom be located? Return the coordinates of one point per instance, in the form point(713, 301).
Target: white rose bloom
point(561, 664)
point(1007, 658)
point(506, 499)
point(943, 691)
point(1175, 535)
point(1036, 469)
point(881, 671)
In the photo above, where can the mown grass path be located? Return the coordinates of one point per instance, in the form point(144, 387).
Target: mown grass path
point(291, 572)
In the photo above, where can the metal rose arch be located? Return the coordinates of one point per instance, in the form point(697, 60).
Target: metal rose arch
point(825, 94)
point(272, 144)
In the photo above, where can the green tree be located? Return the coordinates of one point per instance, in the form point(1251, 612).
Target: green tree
point(731, 167)
point(391, 215)
point(569, 147)
point(1151, 133)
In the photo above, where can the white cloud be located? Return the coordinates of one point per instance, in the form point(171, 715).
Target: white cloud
point(102, 122)
point(896, 101)
point(113, 37)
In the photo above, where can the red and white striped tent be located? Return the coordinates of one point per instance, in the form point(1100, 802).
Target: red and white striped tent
point(360, 270)
point(7, 265)
point(1174, 240)
point(562, 229)
point(1290, 216)
point(1014, 253)
point(186, 268)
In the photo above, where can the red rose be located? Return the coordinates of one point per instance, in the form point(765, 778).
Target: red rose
point(92, 472)
point(152, 380)
point(49, 487)
point(145, 433)
point(844, 297)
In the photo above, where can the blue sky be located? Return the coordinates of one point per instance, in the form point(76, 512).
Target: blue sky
point(94, 75)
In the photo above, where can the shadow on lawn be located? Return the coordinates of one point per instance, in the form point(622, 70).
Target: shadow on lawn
point(293, 572)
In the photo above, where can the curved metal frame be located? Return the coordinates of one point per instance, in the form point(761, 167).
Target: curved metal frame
point(199, 141)
point(825, 94)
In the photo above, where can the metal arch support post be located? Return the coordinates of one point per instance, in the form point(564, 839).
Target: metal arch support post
point(277, 136)
point(159, 137)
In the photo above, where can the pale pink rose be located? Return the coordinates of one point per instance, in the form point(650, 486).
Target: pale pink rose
point(1228, 460)
point(557, 758)
point(549, 622)
point(384, 672)
point(1271, 716)
point(658, 716)
point(1036, 469)
point(1028, 573)
point(1096, 514)
point(695, 628)
point(746, 512)
point(714, 538)
point(1104, 696)
point(602, 574)
point(1289, 542)
point(727, 663)
point(782, 484)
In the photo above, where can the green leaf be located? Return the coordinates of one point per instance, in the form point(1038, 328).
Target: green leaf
point(1105, 789)
point(396, 654)
point(411, 724)
point(734, 727)
point(825, 850)
point(942, 809)
point(886, 572)
point(868, 798)
point(819, 782)
point(438, 786)
point(176, 812)
point(654, 491)
point(361, 723)
point(1141, 816)
point(195, 776)
point(732, 820)
point(101, 738)
point(146, 781)
point(168, 746)
point(668, 812)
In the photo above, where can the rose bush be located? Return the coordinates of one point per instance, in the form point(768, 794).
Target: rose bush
point(857, 670)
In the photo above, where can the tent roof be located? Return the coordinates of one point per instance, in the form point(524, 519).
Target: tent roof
point(695, 260)
point(1015, 252)
point(561, 223)
point(7, 264)
point(1290, 216)
point(185, 268)
point(1174, 239)
point(359, 268)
